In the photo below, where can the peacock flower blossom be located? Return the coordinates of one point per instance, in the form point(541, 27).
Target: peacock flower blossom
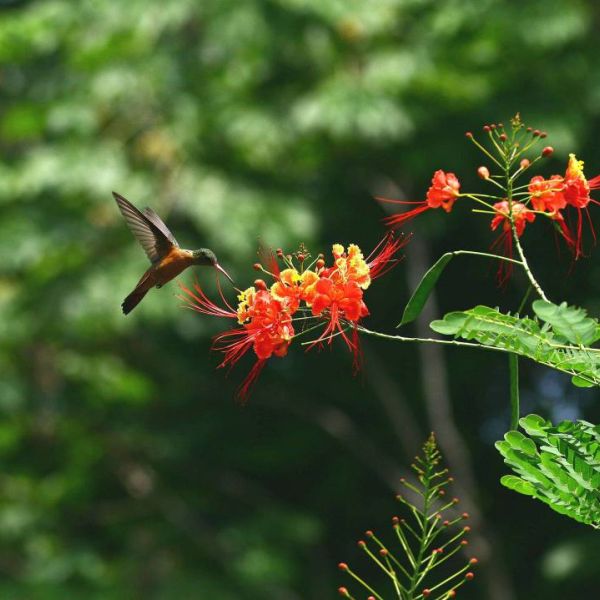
point(442, 193)
point(577, 194)
point(521, 216)
point(444, 190)
point(299, 300)
point(547, 194)
point(291, 287)
point(520, 213)
point(267, 328)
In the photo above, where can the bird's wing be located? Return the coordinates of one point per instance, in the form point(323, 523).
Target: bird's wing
point(153, 240)
point(158, 222)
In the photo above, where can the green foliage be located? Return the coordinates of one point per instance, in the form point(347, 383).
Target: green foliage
point(427, 541)
point(558, 465)
point(421, 294)
point(550, 342)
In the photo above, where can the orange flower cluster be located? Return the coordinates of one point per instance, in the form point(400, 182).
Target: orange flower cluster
point(555, 194)
point(331, 296)
point(540, 197)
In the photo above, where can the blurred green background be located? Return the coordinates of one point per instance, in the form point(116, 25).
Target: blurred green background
point(127, 469)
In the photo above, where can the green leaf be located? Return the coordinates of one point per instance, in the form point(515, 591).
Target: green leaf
point(559, 466)
point(421, 294)
point(568, 322)
point(527, 337)
point(518, 485)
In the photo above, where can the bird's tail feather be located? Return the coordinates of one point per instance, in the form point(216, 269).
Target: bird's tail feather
point(133, 300)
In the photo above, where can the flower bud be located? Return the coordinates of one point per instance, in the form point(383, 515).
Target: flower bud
point(343, 592)
point(503, 137)
point(465, 515)
point(469, 576)
point(486, 128)
point(464, 542)
point(361, 544)
point(320, 263)
point(369, 533)
point(536, 133)
point(469, 134)
point(342, 566)
point(493, 126)
point(451, 594)
point(383, 552)
point(466, 528)
point(426, 593)
point(548, 151)
point(543, 134)
point(301, 257)
point(483, 172)
point(524, 163)
point(257, 266)
point(473, 561)
point(259, 284)
point(279, 252)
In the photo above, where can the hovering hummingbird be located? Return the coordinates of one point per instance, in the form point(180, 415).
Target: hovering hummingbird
point(161, 247)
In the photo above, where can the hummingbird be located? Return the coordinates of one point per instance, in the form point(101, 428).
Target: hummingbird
point(167, 258)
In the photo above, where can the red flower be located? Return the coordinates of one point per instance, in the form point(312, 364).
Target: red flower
point(547, 194)
point(577, 194)
point(521, 216)
point(290, 287)
point(341, 303)
point(443, 192)
point(266, 328)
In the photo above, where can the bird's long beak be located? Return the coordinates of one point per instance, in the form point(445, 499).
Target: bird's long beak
point(218, 267)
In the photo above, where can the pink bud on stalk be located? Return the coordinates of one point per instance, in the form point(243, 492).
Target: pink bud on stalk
point(483, 172)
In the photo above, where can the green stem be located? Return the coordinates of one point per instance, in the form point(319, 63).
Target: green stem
point(513, 369)
point(525, 264)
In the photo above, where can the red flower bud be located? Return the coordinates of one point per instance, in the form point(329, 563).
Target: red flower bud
point(279, 252)
point(383, 552)
point(426, 593)
point(455, 500)
point(486, 128)
point(369, 533)
point(451, 594)
point(466, 528)
point(493, 126)
point(548, 151)
point(469, 134)
point(464, 543)
point(257, 266)
point(441, 492)
point(543, 134)
point(361, 543)
point(465, 515)
point(259, 284)
point(342, 566)
point(528, 130)
point(343, 592)
point(503, 137)
point(446, 523)
point(536, 132)
point(524, 163)
point(473, 561)
point(469, 576)
point(395, 520)
point(301, 257)
point(320, 263)
point(483, 172)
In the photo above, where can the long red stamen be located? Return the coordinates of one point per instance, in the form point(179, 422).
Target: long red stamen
point(381, 262)
point(197, 300)
point(401, 218)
